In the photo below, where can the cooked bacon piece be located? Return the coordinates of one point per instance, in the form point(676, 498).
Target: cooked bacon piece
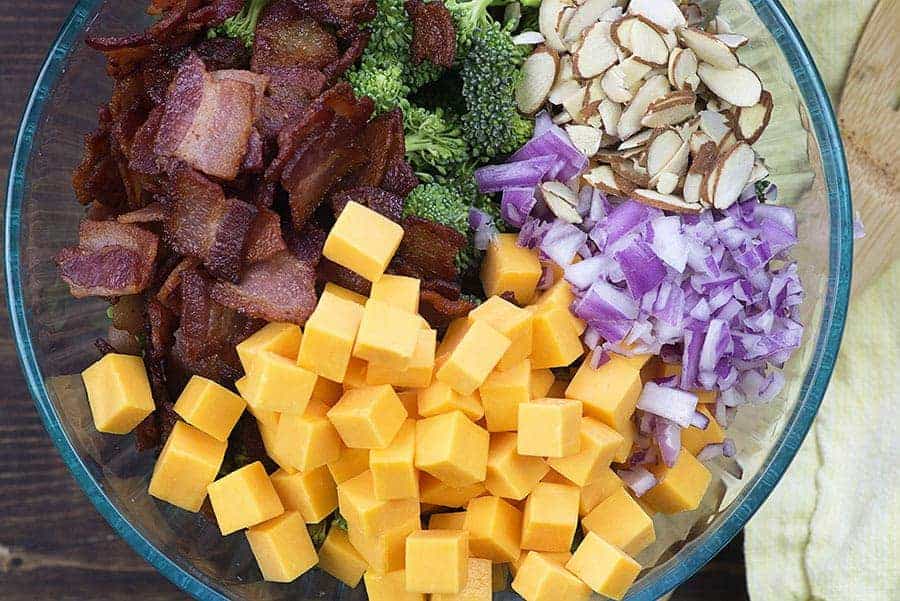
point(428, 250)
point(161, 328)
point(447, 289)
point(111, 259)
point(434, 35)
point(259, 81)
point(400, 179)
point(169, 293)
point(265, 239)
point(153, 213)
point(382, 143)
point(291, 89)
point(439, 311)
point(329, 271)
point(356, 42)
point(307, 244)
point(281, 288)
point(143, 158)
point(255, 160)
point(97, 177)
point(342, 14)
point(214, 13)
point(223, 53)
point(286, 37)
point(389, 205)
point(207, 123)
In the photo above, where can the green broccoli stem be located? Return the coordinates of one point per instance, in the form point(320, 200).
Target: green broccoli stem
point(241, 26)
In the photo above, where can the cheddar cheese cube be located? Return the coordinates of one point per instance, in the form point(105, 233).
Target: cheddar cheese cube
point(560, 295)
point(279, 338)
point(694, 439)
point(620, 521)
point(541, 381)
point(268, 435)
point(340, 558)
point(351, 463)
point(394, 473)
point(609, 393)
point(363, 241)
point(329, 336)
point(509, 474)
point(418, 371)
point(282, 547)
point(326, 391)
point(397, 290)
point(118, 393)
point(188, 463)
point(384, 552)
point(279, 384)
point(355, 377)
point(452, 337)
point(680, 488)
point(244, 498)
point(603, 567)
point(371, 516)
point(556, 344)
point(636, 361)
point(511, 321)
point(312, 493)
point(389, 587)
point(368, 417)
point(628, 432)
point(440, 398)
point(437, 561)
point(437, 492)
point(308, 441)
point(478, 585)
point(599, 443)
point(542, 579)
point(340, 291)
point(502, 393)
point(209, 407)
point(410, 400)
point(451, 448)
point(495, 529)
point(447, 521)
point(387, 335)
point(507, 267)
point(263, 417)
point(550, 517)
point(557, 558)
point(549, 428)
point(478, 352)
point(605, 484)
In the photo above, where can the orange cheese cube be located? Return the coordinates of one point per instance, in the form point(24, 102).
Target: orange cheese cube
point(451, 448)
point(556, 344)
point(557, 558)
point(603, 567)
point(410, 400)
point(356, 374)
point(418, 371)
point(394, 473)
point(609, 393)
point(363, 241)
point(502, 393)
point(605, 484)
point(384, 552)
point(389, 587)
point(118, 393)
point(437, 561)
point(549, 428)
point(479, 351)
point(511, 321)
point(312, 493)
point(436, 492)
point(694, 439)
point(452, 337)
point(636, 361)
point(628, 432)
point(209, 407)
point(268, 435)
point(326, 391)
point(540, 578)
point(666, 370)
point(188, 463)
point(599, 443)
point(341, 559)
point(265, 418)
point(397, 290)
point(441, 398)
point(340, 291)
point(509, 474)
point(279, 384)
point(478, 584)
point(329, 336)
point(680, 488)
point(351, 463)
point(369, 417)
point(279, 338)
point(541, 381)
point(447, 521)
point(282, 547)
point(554, 477)
point(507, 267)
point(560, 295)
point(620, 521)
point(550, 518)
point(495, 529)
point(307, 441)
point(244, 498)
point(387, 335)
point(371, 516)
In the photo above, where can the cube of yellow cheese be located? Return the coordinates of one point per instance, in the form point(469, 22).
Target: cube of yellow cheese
point(439, 398)
point(605, 484)
point(549, 428)
point(452, 337)
point(118, 393)
point(560, 295)
point(509, 474)
point(694, 439)
point(599, 443)
point(556, 344)
point(451, 448)
point(478, 352)
point(557, 558)
point(541, 381)
point(363, 241)
point(326, 391)
point(329, 336)
point(636, 361)
point(436, 492)
point(389, 587)
point(188, 463)
point(268, 435)
point(418, 371)
point(279, 338)
point(308, 441)
point(502, 393)
point(312, 493)
point(263, 417)
point(351, 463)
point(540, 578)
point(511, 321)
point(385, 552)
point(368, 417)
point(394, 474)
point(550, 518)
point(507, 267)
point(244, 498)
point(397, 290)
point(628, 432)
point(410, 400)
point(603, 567)
point(341, 559)
point(609, 393)
point(279, 384)
point(478, 584)
point(437, 561)
point(447, 521)
point(495, 529)
point(620, 521)
point(371, 516)
point(356, 374)
point(282, 547)
point(387, 335)
point(332, 288)
point(680, 488)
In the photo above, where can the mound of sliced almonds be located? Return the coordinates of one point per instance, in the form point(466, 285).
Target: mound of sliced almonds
point(664, 108)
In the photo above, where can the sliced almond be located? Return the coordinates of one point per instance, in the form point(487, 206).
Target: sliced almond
point(620, 31)
point(663, 13)
point(749, 123)
point(562, 21)
point(538, 75)
point(630, 170)
point(637, 140)
point(714, 125)
point(610, 112)
point(615, 85)
point(630, 123)
point(585, 138)
point(708, 48)
point(691, 187)
point(734, 173)
point(647, 43)
point(671, 40)
point(624, 184)
point(596, 53)
point(666, 202)
point(596, 120)
point(662, 149)
point(561, 200)
point(585, 15)
point(674, 107)
point(733, 40)
point(740, 86)
point(728, 142)
point(588, 110)
point(698, 139)
point(704, 161)
point(635, 72)
point(549, 16)
point(563, 90)
point(759, 172)
point(666, 183)
point(566, 70)
point(608, 141)
point(718, 24)
point(574, 102)
point(603, 178)
point(562, 117)
point(682, 70)
point(595, 91)
point(612, 14)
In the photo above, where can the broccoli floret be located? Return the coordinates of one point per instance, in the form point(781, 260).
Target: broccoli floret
point(242, 25)
point(434, 143)
point(441, 203)
point(384, 85)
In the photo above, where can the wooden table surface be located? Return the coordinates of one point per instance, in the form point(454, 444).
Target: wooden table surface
point(53, 543)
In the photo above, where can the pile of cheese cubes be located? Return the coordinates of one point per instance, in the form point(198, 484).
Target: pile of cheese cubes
point(364, 411)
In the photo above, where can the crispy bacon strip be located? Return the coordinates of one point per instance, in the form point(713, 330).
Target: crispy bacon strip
point(264, 239)
point(434, 35)
point(97, 177)
point(428, 250)
point(380, 201)
point(439, 311)
point(286, 37)
point(400, 179)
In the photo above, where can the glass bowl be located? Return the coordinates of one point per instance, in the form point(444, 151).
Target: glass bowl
point(54, 332)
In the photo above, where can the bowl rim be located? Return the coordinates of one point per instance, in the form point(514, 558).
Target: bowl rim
point(693, 556)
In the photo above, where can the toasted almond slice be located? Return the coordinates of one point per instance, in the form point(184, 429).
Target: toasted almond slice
point(630, 123)
point(624, 184)
point(612, 14)
point(563, 90)
point(596, 53)
point(635, 72)
point(526, 38)
point(713, 125)
point(733, 40)
point(734, 172)
point(683, 70)
point(662, 149)
point(666, 182)
point(538, 74)
point(666, 202)
point(595, 120)
point(602, 178)
point(698, 139)
point(707, 48)
point(740, 86)
point(677, 164)
point(671, 40)
point(704, 162)
point(630, 170)
point(750, 122)
point(674, 107)
point(595, 91)
point(608, 141)
point(566, 69)
point(585, 138)
point(759, 172)
point(588, 110)
point(561, 201)
point(620, 31)
point(718, 24)
point(562, 117)
point(574, 102)
point(615, 86)
point(585, 15)
point(663, 13)
point(637, 141)
point(647, 43)
point(562, 20)
point(610, 112)
point(549, 15)
point(670, 68)
point(728, 142)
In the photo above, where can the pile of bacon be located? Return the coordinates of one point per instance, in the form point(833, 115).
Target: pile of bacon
point(215, 174)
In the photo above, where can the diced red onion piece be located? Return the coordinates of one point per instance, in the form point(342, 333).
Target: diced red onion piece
point(638, 479)
point(516, 204)
point(518, 174)
point(562, 241)
point(671, 403)
point(668, 436)
point(699, 421)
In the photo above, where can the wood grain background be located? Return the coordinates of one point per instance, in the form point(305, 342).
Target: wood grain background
point(53, 543)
